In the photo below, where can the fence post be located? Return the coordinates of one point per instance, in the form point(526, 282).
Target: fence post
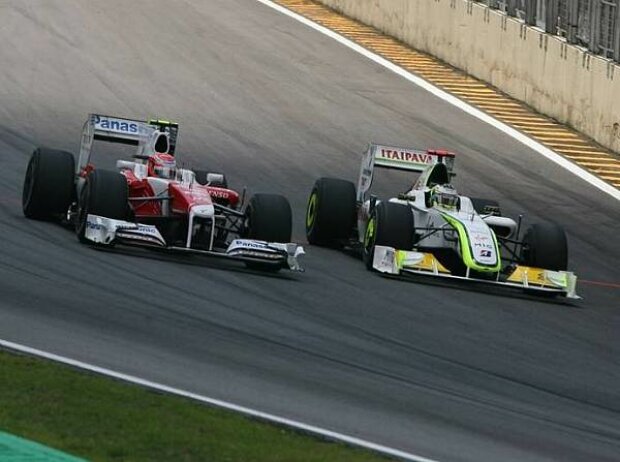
point(551, 19)
point(617, 34)
point(572, 20)
point(511, 8)
point(530, 12)
point(595, 26)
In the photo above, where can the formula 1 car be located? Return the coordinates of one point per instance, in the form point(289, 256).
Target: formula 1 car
point(431, 230)
point(150, 202)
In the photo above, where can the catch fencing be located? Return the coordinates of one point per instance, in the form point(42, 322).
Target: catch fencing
point(593, 24)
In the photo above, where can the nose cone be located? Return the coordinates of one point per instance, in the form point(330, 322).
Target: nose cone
point(204, 211)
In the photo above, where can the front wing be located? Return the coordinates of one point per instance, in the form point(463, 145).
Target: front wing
point(388, 260)
point(106, 231)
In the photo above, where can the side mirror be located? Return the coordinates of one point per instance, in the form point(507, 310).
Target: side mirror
point(427, 198)
point(215, 178)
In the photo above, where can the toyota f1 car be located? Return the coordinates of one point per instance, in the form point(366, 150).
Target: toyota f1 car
point(431, 230)
point(149, 202)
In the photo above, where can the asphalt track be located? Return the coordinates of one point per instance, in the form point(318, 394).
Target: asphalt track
point(450, 374)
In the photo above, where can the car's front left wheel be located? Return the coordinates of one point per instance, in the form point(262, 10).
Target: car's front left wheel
point(105, 193)
point(390, 225)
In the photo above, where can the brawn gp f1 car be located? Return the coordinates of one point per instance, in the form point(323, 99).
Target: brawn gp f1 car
point(431, 230)
point(149, 202)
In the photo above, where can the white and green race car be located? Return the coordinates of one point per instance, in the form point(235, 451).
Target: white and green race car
point(431, 230)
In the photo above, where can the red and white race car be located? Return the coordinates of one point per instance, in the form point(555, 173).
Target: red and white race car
point(150, 202)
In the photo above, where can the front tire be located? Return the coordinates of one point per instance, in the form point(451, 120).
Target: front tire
point(545, 246)
point(269, 218)
point(105, 193)
point(49, 184)
point(331, 212)
point(391, 225)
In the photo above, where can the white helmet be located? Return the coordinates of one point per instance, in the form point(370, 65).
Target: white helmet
point(445, 196)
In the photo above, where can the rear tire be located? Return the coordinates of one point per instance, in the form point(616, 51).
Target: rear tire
point(331, 212)
point(201, 178)
point(545, 246)
point(105, 193)
point(391, 225)
point(49, 184)
point(486, 206)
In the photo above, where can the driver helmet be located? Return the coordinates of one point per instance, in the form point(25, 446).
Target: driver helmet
point(445, 196)
point(162, 166)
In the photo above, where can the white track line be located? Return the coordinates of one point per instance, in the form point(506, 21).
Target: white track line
point(216, 402)
point(508, 130)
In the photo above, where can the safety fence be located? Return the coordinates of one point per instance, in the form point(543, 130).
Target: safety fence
point(593, 24)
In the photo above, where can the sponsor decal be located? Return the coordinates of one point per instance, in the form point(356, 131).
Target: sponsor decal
point(138, 237)
point(413, 259)
point(486, 253)
point(219, 194)
point(248, 244)
point(95, 226)
point(479, 237)
point(147, 229)
point(540, 277)
point(406, 156)
point(116, 125)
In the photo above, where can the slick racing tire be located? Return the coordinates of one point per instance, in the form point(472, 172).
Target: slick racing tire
point(269, 218)
point(202, 175)
point(486, 206)
point(390, 225)
point(105, 193)
point(331, 212)
point(545, 246)
point(49, 184)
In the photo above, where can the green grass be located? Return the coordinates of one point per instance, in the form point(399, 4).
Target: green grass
point(102, 419)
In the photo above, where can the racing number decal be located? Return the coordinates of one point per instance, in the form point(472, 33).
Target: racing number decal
point(311, 214)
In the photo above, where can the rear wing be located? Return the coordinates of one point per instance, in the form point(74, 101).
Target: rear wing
point(407, 159)
point(124, 131)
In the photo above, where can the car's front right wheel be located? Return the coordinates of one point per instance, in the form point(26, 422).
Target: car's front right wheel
point(545, 246)
point(49, 184)
point(331, 212)
point(268, 217)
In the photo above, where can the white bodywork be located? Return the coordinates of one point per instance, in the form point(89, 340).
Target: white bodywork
point(106, 231)
point(388, 260)
point(459, 227)
point(378, 155)
point(484, 249)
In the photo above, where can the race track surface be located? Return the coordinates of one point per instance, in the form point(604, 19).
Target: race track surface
point(451, 374)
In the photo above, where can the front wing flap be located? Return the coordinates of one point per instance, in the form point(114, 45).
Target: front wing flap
point(388, 260)
point(107, 231)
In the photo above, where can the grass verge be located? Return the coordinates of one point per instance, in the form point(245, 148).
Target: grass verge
point(102, 419)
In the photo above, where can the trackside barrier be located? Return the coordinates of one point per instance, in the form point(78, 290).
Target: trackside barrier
point(563, 81)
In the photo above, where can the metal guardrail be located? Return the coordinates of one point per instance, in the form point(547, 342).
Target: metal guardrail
point(593, 24)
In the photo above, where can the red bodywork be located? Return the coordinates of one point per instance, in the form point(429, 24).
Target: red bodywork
point(182, 197)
